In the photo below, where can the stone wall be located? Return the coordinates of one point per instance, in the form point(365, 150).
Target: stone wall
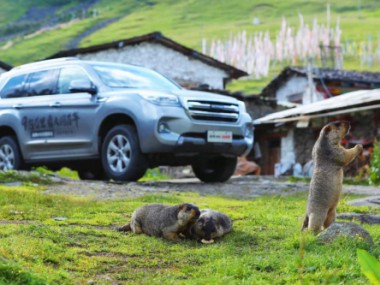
point(186, 71)
point(297, 87)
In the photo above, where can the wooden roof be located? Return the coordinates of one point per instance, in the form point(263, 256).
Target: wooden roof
point(327, 74)
point(5, 66)
point(347, 103)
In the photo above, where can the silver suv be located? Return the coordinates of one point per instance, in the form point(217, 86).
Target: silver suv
point(114, 121)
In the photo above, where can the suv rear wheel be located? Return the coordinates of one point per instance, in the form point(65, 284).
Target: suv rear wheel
point(121, 156)
point(10, 156)
point(217, 169)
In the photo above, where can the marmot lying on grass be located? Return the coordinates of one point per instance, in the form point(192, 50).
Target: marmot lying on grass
point(329, 158)
point(162, 220)
point(210, 225)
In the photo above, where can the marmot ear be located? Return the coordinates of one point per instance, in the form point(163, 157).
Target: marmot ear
point(326, 130)
point(181, 206)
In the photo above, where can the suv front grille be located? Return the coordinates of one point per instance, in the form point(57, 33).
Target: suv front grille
point(213, 111)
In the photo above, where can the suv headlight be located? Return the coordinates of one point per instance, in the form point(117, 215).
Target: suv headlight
point(248, 132)
point(159, 98)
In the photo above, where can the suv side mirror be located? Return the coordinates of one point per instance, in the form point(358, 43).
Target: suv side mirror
point(81, 85)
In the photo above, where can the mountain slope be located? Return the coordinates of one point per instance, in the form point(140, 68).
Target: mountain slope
point(52, 26)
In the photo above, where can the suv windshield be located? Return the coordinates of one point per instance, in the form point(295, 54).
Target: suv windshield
point(125, 76)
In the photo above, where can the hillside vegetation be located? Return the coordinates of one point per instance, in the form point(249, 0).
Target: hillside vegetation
point(34, 29)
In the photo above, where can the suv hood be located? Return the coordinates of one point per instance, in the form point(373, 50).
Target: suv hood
point(183, 95)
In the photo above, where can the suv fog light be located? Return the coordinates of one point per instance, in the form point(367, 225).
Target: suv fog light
point(163, 128)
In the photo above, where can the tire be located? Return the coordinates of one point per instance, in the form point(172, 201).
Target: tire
point(121, 156)
point(10, 155)
point(218, 169)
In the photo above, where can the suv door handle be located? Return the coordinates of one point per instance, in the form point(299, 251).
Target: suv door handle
point(55, 105)
point(18, 106)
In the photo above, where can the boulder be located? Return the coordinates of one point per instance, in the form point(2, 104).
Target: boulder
point(350, 230)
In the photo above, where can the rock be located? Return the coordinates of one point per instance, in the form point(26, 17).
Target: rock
point(60, 218)
point(350, 230)
point(373, 201)
point(363, 218)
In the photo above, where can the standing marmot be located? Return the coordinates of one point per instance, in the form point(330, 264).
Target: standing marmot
point(162, 220)
point(329, 158)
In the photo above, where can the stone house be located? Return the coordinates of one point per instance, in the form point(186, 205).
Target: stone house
point(305, 85)
point(186, 66)
point(289, 139)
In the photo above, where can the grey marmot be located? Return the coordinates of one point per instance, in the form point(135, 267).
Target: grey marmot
point(329, 158)
point(211, 224)
point(162, 220)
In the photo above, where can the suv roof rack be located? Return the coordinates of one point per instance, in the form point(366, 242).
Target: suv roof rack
point(43, 62)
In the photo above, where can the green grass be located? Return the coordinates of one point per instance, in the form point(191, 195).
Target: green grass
point(43, 45)
point(265, 247)
point(10, 12)
point(43, 172)
point(27, 178)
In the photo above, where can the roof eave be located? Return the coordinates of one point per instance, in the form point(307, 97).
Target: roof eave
point(5, 66)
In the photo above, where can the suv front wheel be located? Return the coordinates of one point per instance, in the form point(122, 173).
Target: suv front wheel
point(121, 156)
point(217, 169)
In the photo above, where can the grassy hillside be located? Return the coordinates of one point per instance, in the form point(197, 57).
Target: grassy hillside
point(186, 21)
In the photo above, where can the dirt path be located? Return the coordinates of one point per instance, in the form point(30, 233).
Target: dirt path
point(237, 187)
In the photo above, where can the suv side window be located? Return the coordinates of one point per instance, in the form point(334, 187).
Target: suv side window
point(68, 74)
point(14, 87)
point(42, 83)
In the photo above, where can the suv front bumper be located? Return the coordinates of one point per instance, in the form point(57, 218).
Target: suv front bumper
point(172, 130)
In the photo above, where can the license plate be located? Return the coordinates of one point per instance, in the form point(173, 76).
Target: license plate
point(219, 136)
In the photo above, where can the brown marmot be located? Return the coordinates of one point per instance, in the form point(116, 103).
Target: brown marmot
point(162, 220)
point(329, 158)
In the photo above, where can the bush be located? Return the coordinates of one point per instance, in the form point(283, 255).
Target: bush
point(12, 273)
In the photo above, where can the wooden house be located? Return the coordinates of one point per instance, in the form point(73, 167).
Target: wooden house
point(287, 137)
point(296, 129)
